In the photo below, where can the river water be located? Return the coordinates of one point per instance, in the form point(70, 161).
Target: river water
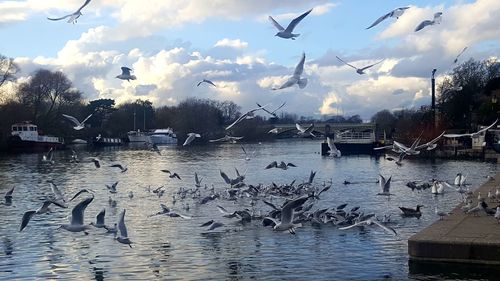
point(168, 248)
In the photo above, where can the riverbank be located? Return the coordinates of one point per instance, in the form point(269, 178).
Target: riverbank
point(460, 237)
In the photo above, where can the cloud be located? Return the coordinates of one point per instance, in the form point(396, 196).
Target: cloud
point(236, 43)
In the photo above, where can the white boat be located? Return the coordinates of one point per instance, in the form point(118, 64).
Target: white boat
point(138, 136)
point(24, 137)
point(163, 136)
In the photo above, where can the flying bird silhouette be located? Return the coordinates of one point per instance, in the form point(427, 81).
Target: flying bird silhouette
point(74, 16)
point(287, 33)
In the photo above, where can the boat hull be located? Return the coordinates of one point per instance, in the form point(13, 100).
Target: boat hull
point(350, 148)
point(16, 144)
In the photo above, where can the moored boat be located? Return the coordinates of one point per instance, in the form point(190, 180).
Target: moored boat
point(163, 136)
point(105, 141)
point(24, 137)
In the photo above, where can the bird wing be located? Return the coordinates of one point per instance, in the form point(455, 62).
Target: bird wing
point(379, 20)
point(346, 63)
point(272, 113)
point(100, 217)
point(486, 129)
point(237, 121)
point(354, 225)
point(87, 118)
point(386, 228)
point(296, 21)
point(210, 82)
point(300, 67)
point(366, 67)
point(276, 24)
point(383, 147)
point(61, 18)
point(83, 6)
point(121, 225)
point(456, 135)
point(9, 193)
point(463, 50)
point(430, 143)
point(188, 140)
point(330, 143)
point(423, 24)
point(26, 219)
point(273, 164)
point(311, 176)
point(126, 70)
point(300, 128)
point(387, 185)
point(287, 211)
point(225, 177)
point(77, 214)
point(72, 119)
point(288, 83)
point(381, 181)
point(57, 192)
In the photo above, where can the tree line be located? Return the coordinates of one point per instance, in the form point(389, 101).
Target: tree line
point(47, 95)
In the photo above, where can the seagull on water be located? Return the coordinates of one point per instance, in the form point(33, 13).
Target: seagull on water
point(42, 210)
point(74, 16)
point(396, 13)
point(286, 222)
point(436, 20)
point(206, 81)
point(295, 79)
point(360, 71)
point(460, 179)
point(287, 33)
point(123, 235)
point(78, 125)
point(385, 185)
point(333, 149)
point(126, 74)
point(190, 138)
point(77, 216)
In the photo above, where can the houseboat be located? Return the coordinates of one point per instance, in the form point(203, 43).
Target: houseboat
point(354, 139)
point(24, 137)
point(163, 136)
point(138, 136)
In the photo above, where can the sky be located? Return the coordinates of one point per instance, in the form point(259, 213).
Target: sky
point(172, 45)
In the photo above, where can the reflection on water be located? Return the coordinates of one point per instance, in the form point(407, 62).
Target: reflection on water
point(177, 249)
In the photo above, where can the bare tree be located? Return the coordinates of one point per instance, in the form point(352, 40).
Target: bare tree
point(8, 69)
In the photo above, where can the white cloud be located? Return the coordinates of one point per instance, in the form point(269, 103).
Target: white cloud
point(236, 43)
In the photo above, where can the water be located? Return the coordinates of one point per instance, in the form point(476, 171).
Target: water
point(175, 249)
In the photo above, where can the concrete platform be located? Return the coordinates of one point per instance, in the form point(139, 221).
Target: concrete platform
point(461, 237)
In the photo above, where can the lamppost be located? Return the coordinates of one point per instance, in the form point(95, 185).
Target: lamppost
point(433, 102)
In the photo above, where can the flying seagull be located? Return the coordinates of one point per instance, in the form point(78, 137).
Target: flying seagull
point(206, 81)
point(359, 70)
point(77, 216)
point(389, 230)
point(123, 169)
point(42, 210)
point(126, 74)
point(333, 149)
point(286, 222)
point(396, 13)
point(74, 16)
point(436, 20)
point(190, 138)
point(248, 115)
point(273, 113)
point(123, 237)
point(463, 50)
point(287, 33)
point(305, 132)
point(471, 134)
point(295, 79)
point(78, 125)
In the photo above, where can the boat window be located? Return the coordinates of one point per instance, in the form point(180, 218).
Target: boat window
point(14, 128)
point(25, 128)
point(32, 128)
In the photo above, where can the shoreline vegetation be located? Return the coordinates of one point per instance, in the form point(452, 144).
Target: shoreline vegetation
point(466, 98)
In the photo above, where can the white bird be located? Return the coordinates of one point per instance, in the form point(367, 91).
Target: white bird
point(42, 210)
point(123, 236)
point(305, 131)
point(247, 155)
point(333, 149)
point(273, 131)
point(197, 180)
point(190, 138)
point(48, 157)
point(126, 74)
point(459, 54)
point(74, 16)
point(385, 185)
point(248, 115)
point(295, 79)
point(497, 215)
point(436, 20)
point(112, 188)
point(360, 71)
point(77, 216)
point(460, 179)
point(371, 222)
point(287, 33)
point(396, 13)
point(437, 187)
point(273, 113)
point(78, 125)
point(205, 81)
point(441, 214)
point(472, 135)
point(56, 191)
point(286, 222)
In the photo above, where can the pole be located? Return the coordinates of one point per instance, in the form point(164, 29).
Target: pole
point(144, 119)
point(134, 118)
point(433, 102)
